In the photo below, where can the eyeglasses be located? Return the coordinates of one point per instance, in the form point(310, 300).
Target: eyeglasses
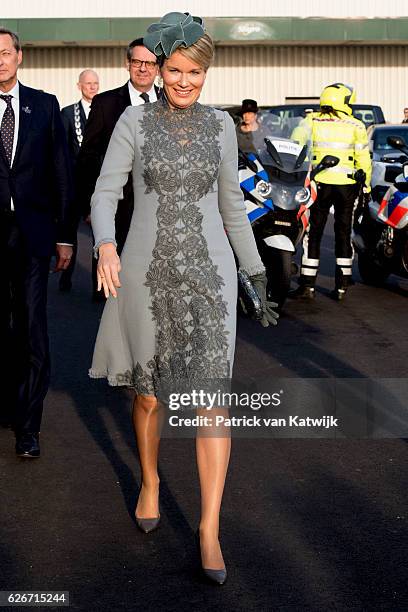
point(138, 64)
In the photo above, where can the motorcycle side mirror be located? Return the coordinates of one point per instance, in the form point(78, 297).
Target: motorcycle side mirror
point(273, 153)
point(241, 161)
point(301, 159)
point(328, 161)
point(396, 142)
point(245, 161)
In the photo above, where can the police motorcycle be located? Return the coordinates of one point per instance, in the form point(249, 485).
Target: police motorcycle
point(380, 234)
point(278, 186)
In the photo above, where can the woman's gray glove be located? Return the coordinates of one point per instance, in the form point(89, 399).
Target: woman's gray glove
point(270, 316)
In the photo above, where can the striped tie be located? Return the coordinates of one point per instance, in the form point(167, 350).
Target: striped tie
point(7, 128)
point(145, 97)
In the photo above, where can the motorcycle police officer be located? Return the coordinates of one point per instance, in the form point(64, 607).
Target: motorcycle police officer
point(333, 131)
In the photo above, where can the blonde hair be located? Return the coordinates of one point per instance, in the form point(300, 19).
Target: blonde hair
point(201, 52)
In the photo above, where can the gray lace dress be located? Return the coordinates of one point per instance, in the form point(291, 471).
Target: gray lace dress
point(174, 318)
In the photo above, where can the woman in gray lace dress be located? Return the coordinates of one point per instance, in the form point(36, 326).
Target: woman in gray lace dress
point(171, 314)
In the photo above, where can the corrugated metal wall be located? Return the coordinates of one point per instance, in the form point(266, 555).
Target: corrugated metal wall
point(209, 8)
point(268, 74)
point(56, 69)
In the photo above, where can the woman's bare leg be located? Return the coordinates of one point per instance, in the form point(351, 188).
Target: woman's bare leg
point(213, 452)
point(146, 426)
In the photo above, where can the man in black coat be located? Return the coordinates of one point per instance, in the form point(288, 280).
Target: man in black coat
point(74, 118)
point(106, 109)
point(35, 222)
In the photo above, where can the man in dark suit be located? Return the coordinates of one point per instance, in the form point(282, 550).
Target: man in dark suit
point(74, 118)
point(35, 222)
point(106, 109)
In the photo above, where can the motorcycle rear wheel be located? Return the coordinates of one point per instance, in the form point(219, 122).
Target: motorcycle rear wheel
point(370, 271)
point(279, 272)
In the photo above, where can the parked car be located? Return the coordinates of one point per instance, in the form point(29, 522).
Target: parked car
point(387, 162)
point(367, 113)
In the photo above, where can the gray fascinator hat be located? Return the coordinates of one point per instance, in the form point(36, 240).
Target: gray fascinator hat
point(173, 30)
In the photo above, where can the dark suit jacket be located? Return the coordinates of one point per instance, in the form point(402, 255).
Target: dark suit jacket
point(39, 180)
point(68, 119)
point(106, 109)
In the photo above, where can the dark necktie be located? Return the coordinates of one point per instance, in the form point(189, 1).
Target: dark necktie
point(145, 97)
point(7, 128)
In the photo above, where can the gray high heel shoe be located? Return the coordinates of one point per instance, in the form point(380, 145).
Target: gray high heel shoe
point(147, 524)
point(215, 576)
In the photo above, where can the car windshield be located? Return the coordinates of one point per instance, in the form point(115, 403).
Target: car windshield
point(365, 115)
point(380, 137)
point(368, 116)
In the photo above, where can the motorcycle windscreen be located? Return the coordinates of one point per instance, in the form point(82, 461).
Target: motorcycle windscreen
point(286, 155)
point(287, 164)
point(393, 209)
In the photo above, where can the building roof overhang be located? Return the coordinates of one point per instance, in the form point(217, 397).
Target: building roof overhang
point(225, 30)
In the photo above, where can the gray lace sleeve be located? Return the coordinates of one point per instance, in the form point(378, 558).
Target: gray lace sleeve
point(114, 173)
point(232, 207)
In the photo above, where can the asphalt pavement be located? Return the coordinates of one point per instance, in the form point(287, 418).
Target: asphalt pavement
point(307, 524)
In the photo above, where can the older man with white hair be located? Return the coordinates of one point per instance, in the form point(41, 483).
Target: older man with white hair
point(74, 118)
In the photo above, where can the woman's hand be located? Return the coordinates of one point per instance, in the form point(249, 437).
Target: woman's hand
point(270, 316)
point(108, 269)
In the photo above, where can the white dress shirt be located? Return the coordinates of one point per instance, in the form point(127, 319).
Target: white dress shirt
point(86, 106)
point(135, 98)
point(15, 104)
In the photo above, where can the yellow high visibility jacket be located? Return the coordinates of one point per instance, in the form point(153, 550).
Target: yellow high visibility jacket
point(343, 136)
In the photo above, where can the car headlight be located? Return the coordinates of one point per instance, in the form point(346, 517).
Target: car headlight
point(264, 189)
point(302, 195)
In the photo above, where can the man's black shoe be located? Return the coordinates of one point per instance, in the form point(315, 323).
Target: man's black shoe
point(65, 285)
point(338, 294)
point(302, 292)
point(27, 445)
